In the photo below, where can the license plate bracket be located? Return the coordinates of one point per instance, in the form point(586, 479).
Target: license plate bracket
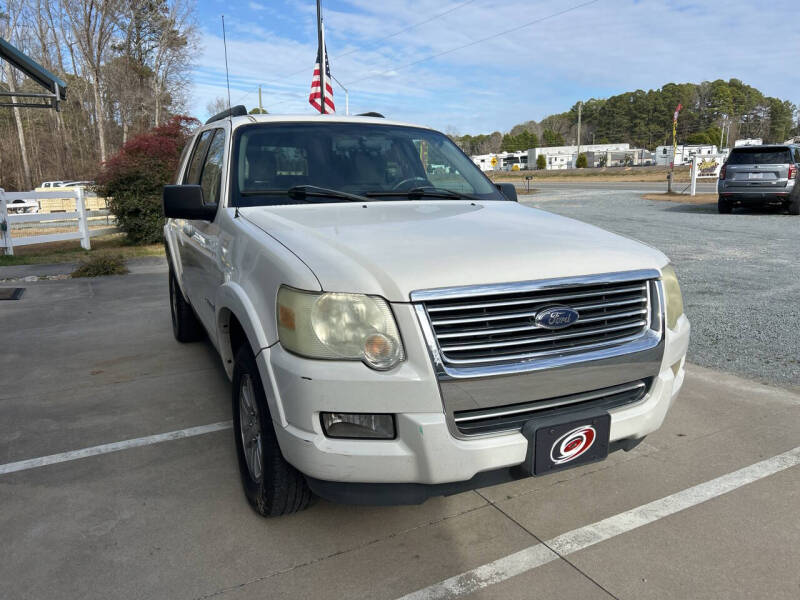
point(565, 441)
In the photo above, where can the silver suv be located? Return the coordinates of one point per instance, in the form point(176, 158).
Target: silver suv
point(760, 174)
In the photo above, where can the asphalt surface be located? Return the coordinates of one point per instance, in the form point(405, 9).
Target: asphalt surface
point(93, 362)
point(740, 273)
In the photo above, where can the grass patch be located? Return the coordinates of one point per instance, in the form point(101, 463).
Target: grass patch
point(99, 265)
point(71, 251)
point(682, 198)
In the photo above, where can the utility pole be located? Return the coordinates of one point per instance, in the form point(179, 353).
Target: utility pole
point(260, 105)
point(580, 104)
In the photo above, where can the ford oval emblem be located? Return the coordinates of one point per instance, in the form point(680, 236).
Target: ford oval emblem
point(556, 317)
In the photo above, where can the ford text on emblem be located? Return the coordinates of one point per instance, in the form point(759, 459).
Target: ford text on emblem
point(556, 317)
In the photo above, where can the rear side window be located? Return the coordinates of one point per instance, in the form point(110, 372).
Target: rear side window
point(198, 156)
point(797, 155)
point(760, 156)
point(211, 178)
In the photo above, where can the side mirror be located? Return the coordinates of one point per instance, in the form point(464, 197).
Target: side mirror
point(508, 190)
point(186, 202)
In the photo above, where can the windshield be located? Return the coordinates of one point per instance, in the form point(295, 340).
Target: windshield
point(360, 158)
point(759, 156)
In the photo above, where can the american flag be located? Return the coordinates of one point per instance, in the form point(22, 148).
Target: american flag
point(322, 78)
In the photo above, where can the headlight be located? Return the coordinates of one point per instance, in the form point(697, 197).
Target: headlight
point(673, 293)
point(339, 326)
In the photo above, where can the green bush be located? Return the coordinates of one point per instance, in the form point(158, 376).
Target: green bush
point(134, 178)
point(541, 162)
point(581, 162)
point(98, 265)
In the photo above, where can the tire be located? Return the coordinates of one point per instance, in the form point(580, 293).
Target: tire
point(272, 486)
point(794, 206)
point(724, 205)
point(185, 325)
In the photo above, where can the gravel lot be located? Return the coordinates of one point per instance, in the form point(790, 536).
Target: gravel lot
point(740, 273)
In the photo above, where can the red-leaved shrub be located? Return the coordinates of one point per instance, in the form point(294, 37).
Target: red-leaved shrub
point(133, 179)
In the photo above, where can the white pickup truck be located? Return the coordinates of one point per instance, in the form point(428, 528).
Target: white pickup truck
point(395, 325)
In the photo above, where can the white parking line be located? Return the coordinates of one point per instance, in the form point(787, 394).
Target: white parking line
point(583, 537)
point(33, 463)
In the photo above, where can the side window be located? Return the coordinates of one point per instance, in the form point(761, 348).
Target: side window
point(198, 156)
point(797, 155)
point(211, 178)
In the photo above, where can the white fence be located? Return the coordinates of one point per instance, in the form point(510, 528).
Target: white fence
point(25, 228)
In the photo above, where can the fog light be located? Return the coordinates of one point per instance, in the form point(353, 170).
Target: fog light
point(357, 425)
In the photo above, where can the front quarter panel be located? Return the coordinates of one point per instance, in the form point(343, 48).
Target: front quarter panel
point(254, 267)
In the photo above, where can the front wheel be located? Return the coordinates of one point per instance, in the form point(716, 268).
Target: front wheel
point(724, 205)
point(273, 487)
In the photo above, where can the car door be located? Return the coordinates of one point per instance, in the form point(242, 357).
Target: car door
point(201, 242)
point(184, 228)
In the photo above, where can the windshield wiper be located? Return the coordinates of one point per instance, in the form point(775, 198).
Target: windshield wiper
point(301, 192)
point(419, 192)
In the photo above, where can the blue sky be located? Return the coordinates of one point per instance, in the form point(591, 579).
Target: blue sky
point(596, 50)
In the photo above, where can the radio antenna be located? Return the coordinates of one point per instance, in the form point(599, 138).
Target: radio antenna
point(227, 75)
point(228, 85)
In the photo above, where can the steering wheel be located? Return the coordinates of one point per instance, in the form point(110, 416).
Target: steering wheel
point(400, 184)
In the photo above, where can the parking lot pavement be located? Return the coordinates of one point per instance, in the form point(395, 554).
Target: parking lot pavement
point(740, 273)
point(88, 362)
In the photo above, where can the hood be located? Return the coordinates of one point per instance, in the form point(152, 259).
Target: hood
point(393, 248)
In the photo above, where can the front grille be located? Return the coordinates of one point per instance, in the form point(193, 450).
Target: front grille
point(498, 328)
point(513, 417)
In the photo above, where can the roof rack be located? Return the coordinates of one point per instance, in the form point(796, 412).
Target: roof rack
point(236, 111)
point(371, 114)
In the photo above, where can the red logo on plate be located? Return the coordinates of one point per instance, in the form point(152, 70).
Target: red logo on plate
point(572, 444)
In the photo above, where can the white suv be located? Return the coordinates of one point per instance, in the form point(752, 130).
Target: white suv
point(395, 325)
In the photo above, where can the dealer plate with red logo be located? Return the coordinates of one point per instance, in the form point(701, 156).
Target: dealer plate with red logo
point(566, 444)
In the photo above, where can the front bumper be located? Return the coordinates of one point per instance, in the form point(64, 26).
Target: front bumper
point(424, 452)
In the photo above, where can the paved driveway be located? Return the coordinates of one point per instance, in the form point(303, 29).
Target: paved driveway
point(705, 508)
point(740, 273)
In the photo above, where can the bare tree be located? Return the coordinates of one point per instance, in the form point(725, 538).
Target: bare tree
point(126, 63)
point(8, 27)
point(217, 105)
point(93, 26)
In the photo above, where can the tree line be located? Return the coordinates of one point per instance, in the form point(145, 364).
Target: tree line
point(644, 119)
point(126, 65)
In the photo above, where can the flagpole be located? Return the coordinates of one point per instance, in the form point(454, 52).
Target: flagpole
point(321, 59)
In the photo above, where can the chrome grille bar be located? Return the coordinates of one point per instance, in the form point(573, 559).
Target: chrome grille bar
point(545, 338)
point(524, 356)
point(498, 325)
point(557, 298)
point(484, 331)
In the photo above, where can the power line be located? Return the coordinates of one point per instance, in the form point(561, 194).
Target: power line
point(462, 46)
point(475, 42)
point(391, 35)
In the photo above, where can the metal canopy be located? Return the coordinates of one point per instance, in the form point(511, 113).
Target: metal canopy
point(56, 88)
